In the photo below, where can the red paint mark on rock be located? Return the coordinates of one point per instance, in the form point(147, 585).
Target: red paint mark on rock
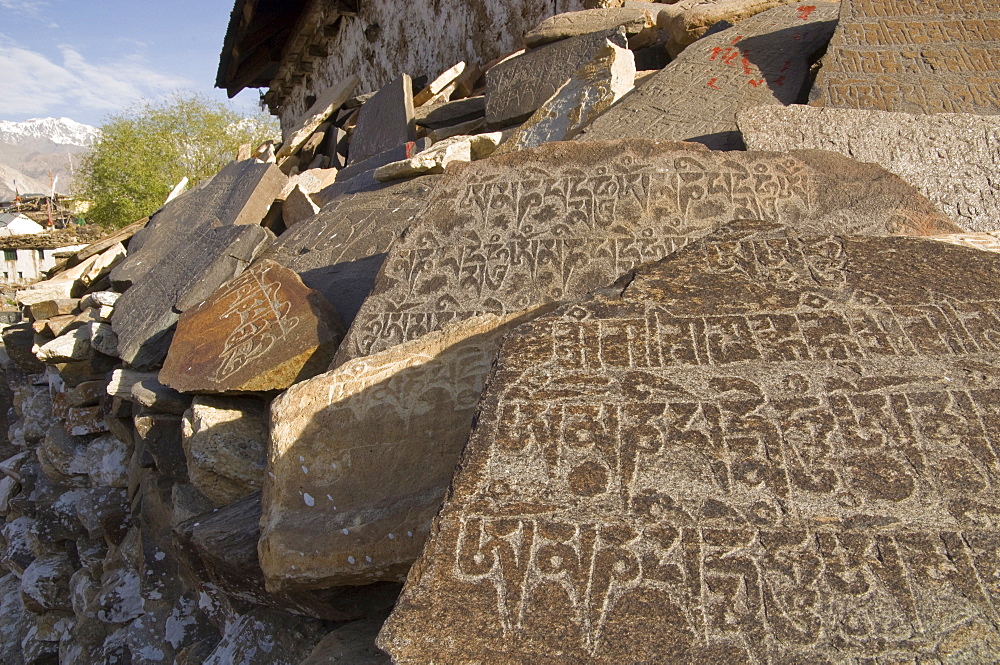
point(711, 84)
point(806, 12)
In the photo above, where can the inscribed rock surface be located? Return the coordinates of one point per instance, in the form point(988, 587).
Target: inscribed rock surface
point(933, 56)
point(360, 457)
point(264, 330)
point(952, 158)
point(558, 221)
point(385, 121)
point(767, 448)
point(519, 85)
point(190, 248)
point(573, 24)
point(340, 250)
point(763, 60)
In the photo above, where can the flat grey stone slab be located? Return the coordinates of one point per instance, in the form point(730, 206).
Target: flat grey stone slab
point(952, 158)
point(767, 448)
point(517, 87)
point(385, 121)
point(933, 56)
point(552, 223)
point(340, 250)
point(763, 60)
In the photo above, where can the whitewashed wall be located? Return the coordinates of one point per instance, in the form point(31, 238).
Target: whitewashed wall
point(421, 37)
point(29, 264)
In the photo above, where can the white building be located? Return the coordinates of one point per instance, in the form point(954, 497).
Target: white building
point(26, 258)
point(17, 225)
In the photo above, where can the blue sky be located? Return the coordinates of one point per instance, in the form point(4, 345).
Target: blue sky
point(86, 59)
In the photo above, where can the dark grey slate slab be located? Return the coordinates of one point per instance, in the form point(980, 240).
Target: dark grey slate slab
point(189, 249)
point(932, 56)
point(385, 121)
point(763, 60)
point(517, 87)
point(340, 250)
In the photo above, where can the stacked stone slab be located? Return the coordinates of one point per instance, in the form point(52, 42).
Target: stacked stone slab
point(952, 158)
point(189, 249)
point(556, 222)
point(339, 252)
point(937, 56)
point(762, 60)
point(765, 448)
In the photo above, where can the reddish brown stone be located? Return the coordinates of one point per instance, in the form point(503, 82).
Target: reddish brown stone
point(264, 330)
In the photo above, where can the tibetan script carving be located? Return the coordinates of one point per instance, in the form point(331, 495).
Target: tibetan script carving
point(762, 60)
point(933, 56)
point(558, 221)
point(264, 330)
point(766, 448)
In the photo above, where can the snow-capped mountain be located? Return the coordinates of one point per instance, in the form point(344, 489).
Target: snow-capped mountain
point(29, 150)
point(62, 131)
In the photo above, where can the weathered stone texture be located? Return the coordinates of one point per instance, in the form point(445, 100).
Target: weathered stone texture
point(264, 330)
point(767, 448)
point(360, 457)
point(687, 21)
point(385, 121)
point(558, 221)
point(516, 87)
point(635, 20)
point(339, 252)
point(591, 91)
point(189, 249)
point(952, 158)
point(933, 56)
point(763, 60)
point(427, 38)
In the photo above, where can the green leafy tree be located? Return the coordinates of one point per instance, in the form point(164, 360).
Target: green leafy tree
point(146, 150)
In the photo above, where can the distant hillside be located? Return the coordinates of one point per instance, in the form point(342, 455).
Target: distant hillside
point(29, 149)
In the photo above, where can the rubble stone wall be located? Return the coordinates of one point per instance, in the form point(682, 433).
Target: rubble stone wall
point(420, 37)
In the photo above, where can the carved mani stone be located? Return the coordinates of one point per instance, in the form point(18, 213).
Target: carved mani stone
point(763, 60)
point(263, 330)
point(767, 448)
point(361, 456)
point(952, 158)
point(190, 248)
point(385, 121)
point(932, 56)
point(555, 222)
point(339, 251)
point(516, 87)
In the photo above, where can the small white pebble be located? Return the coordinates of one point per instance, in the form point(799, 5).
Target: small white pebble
point(305, 469)
point(368, 559)
point(329, 498)
point(301, 458)
point(307, 497)
point(410, 534)
point(344, 531)
point(350, 559)
point(392, 537)
point(334, 465)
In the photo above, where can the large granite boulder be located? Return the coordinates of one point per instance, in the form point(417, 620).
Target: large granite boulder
point(262, 331)
point(763, 60)
point(952, 158)
point(190, 248)
point(915, 57)
point(766, 448)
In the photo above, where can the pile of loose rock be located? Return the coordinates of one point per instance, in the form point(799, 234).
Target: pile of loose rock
point(610, 351)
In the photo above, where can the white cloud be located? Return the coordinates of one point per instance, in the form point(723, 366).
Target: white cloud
point(29, 6)
point(33, 84)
